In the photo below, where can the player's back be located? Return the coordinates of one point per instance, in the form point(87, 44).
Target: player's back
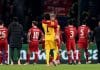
point(35, 32)
point(70, 32)
point(49, 31)
point(83, 32)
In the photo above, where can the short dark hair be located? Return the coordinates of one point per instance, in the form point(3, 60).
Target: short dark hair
point(47, 16)
point(1, 22)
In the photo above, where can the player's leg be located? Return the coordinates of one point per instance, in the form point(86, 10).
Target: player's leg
point(36, 53)
point(58, 56)
point(55, 51)
point(79, 55)
point(29, 50)
point(87, 55)
point(28, 56)
point(36, 58)
point(5, 47)
point(55, 55)
point(74, 51)
point(47, 56)
point(47, 50)
point(18, 54)
point(12, 55)
point(80, 47)
point(68, 46)
point(86, 51)
point(51, 56)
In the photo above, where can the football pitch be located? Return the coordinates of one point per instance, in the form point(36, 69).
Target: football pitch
point(44, 67)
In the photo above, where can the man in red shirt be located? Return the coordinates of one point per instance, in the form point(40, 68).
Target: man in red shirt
point(70, 32)
point(3, 43)
point(33, 40)
point(58, 42)
point(83, 33)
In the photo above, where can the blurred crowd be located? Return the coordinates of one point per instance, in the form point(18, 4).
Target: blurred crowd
point(23, 9)
point(28, 10)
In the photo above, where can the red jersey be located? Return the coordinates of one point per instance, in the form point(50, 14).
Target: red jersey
point(35, 33)
point(83, 32)
point(3, 33)
point(70, 32)
point(50, 23)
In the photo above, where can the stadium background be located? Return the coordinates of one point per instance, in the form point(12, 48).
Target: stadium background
point(28, 10)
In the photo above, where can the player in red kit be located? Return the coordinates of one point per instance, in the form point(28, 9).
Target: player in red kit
point(3, 43)
point(70, 33)
point(58, 42)
point(83, 35)
point(33, 40)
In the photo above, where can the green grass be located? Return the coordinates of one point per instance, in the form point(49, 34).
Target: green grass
point(44, 67)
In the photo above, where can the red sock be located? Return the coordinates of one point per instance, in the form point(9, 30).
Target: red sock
point(69, 58)
point(74, 56)
point(28, 58)
point(58, 57)
point(36, 58)
point(51, 59)
point(5, 56)
point(0, 58)
point(79, 57)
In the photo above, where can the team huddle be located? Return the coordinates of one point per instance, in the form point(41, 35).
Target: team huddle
point(51, 39)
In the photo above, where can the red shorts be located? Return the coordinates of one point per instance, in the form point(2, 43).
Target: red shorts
point(83, 44)
point(3, 45)
point(70, 45)
point(33, 46)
